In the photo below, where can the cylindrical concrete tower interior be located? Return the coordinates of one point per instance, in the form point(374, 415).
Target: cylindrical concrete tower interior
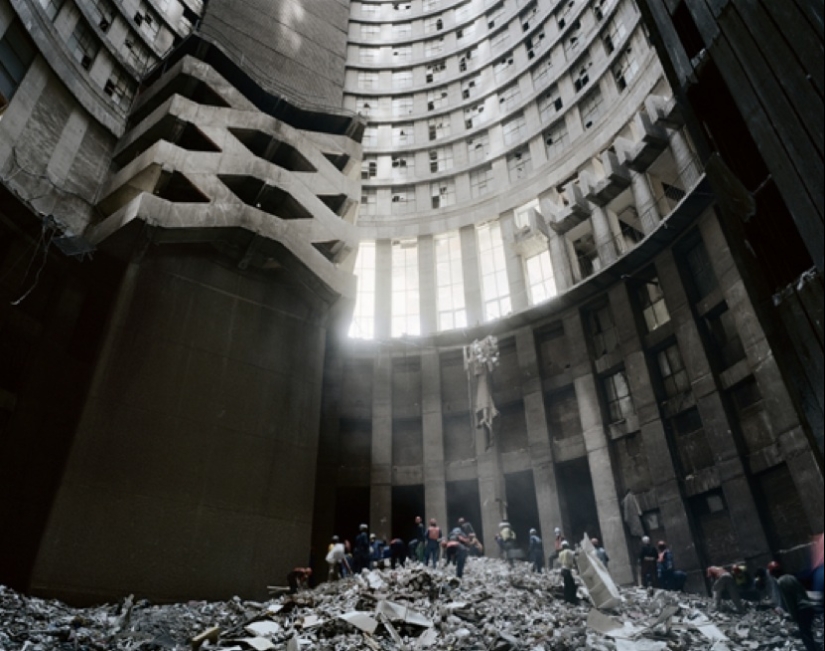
point(246, 245)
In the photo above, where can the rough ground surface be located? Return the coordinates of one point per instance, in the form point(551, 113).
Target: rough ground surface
point(493, 608)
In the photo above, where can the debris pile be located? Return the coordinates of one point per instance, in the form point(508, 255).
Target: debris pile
point(493, 608)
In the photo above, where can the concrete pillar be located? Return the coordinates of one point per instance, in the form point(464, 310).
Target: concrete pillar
point(645, 204)
point(686, 163)
point(753, 544)
point(776, 400)
point(562, 271)
point(665, 484)
point(435, 487)
point(383, 289)
point(541, 450)
point(490, 489)
point(381, 455)
point(604, 482)
point(515, 268)
point(598, 452)
point(602, 235)
point(427, 284)
point(472, 278)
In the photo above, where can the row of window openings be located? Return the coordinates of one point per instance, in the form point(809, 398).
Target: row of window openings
point(104, 12)
point(434, 24)
point(649, 299)
point(624, 71)
point(613, 35)
point(405, 305)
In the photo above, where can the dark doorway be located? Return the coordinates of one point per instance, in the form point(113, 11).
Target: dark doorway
point(578, 500)
point(522, 507)
point(352, 508)
point(463, 501)
point(407, 503)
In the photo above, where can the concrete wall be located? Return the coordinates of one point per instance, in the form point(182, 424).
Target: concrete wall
point(193, 468)
point(291, 47)
point(714, 466)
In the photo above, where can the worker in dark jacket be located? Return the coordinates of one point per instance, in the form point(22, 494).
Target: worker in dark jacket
point(669, 577)
point(421, 537)
point(647, 564)
point(535, 552)
point(398, 552)
point(800, 608)
point(361, 550)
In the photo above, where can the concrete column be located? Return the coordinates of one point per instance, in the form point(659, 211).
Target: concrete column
point(383, 289)
point(645, 204)
point(686, 162)
point(776, 399)
point(541, 450)
point(515, 268)
point(665, 484)
point(472, 278)
point(490, 489)
point(435, 487)
point(427, 284)
point(602, 235)
point(381, 456)
point(323, 519)
point(561, 262)
point(753, 544)
point(596, 444)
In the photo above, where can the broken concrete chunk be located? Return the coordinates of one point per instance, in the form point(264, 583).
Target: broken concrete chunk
point(361, 621)
point(263, 628)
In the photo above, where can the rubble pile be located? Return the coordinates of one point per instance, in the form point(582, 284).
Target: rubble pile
point(493, 608)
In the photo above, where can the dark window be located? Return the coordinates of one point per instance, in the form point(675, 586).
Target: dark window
point(701, 271)
point(652, 303)
point(16, 55)
point(603, 331)
point(672, 370)
point(725, 337)
point(687, 30)
point(619, 402)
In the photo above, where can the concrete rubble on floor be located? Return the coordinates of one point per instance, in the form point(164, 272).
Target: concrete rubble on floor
point(493, 608)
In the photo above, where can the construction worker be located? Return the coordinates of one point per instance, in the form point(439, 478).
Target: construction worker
point(567, 560)
point(647, 564)
point(433, 539)
point(800, 608)
point(421, 537)
point(466, 527)
point(398, 552)
point(298, 579)
point(508, 541)
point(601, 553)
point(667, 574)
point(724, 587)
point(535, 552)
point(336, 559)
point(361, 550)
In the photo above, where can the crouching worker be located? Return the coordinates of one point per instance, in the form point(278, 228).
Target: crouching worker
point(398, 552)
point(724, 587)
point(800, 608)
point(298, 579)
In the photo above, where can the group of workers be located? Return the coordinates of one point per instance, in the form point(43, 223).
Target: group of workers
point(656, 566)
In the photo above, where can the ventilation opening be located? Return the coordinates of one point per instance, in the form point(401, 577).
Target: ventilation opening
point(254, 192)
point(273, 150)
point(337, 203)
point(183, 134)
point(330, 250)
point(185, 86)
point(339, 160)
point(688, 32)
point(175, 187)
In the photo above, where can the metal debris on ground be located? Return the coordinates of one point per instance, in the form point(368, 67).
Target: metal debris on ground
point(493, 608)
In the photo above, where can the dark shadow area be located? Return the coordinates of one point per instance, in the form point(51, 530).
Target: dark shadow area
point(578, 500)
point(407, 503)
point(522, 507)
point(463, 501)
point(352, 508)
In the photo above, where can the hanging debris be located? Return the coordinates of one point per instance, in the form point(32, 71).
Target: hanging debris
point(493, 608)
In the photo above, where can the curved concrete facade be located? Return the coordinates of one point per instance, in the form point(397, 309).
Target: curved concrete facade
point(521, 168)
